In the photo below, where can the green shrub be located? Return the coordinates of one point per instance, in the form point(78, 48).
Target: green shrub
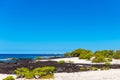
point(67, 54)
point(61, 62)
point(71, 61)
point(105, 53)
point(116, 56)
point(105, 68)
point(79, 51)
point(107, 64)
point(29, 75)
point(20, 72)
point(83, 69)
point(9, 78)
point(44, 71)
point(94, 68)
point(47, 77)
point(109, 59)
point(38, 58)
point(85, 56)
point(99, 59)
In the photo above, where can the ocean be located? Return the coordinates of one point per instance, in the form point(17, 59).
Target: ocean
point(5, 57)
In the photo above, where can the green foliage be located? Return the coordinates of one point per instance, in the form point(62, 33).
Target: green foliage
point(109, 59)
point(47, 77)
point(29, 75)
point(107, 64)
point(21, 72)
point(86, 56)
point(83, 69)
point(44, 71)
point(77, 52)
point(9, 78)
point(67, 54)
point(71, 61)
point(117, 55)
point(61, 62)
point(105, 68)
point(93, 68)
point(99, 59)
point(38, 58)
point(105, 53)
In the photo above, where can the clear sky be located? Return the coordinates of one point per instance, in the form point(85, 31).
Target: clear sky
point(46, 26)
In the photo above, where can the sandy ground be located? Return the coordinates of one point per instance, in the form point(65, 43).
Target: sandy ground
point(77, 60)
point(90, 75)
point(2, 76)
point(113, 74)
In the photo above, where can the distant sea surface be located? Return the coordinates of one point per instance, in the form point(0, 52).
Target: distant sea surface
point(5, 57)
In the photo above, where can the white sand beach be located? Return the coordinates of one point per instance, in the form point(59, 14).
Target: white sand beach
point(113, 74)
point(77, 60)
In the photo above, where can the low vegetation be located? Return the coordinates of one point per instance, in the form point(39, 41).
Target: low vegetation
point(41, 72)
point(70, 61)
point(9, 78)
point(21, 72)
point(105, 68)
point(38, 58)
point(83, 69)
point(99, 59)
point(100, 55)
point(61, 62)
point(107, 64)
point(93, 68)
point(86, 56)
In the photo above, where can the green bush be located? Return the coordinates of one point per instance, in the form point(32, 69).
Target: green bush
point(105, 53)
point(71, 61)
point(105, 68)
point(107, 64)
point(109, 59)
point(21, 72)
point(67, 54)
point(44, 71)
point(38, 58)
point(83, 69)
point(29, 75)
point(9, 78)
point(79, 51)
point(116, 56)
point(61, 62)
point(47, 77)
point(85, 56)
point(93, 68)
point(99, 59)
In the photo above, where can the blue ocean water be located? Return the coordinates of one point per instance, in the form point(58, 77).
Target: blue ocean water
point(4, 57)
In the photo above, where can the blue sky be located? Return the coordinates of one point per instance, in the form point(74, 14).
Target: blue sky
point(57, 26)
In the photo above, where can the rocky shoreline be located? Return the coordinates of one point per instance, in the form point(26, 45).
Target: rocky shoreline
point(9, 67)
